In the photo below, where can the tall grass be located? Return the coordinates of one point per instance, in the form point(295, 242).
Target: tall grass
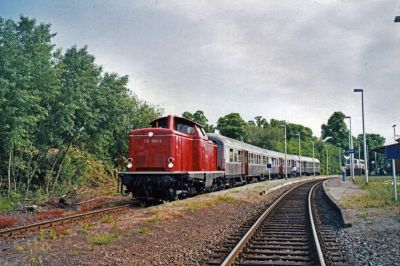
point(378, 194)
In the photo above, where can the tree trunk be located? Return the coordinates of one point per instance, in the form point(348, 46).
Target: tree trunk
point(9, 170)
point(59, 168)
point(52, 170)
point(33, 172)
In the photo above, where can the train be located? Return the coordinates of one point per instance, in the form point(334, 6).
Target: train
point(359, 167)
point(176, 158)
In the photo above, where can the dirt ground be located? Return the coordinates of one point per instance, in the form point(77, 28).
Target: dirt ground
point(183, 232)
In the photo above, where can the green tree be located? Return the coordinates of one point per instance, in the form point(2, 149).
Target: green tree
point(373, 141)
point(337, 129)
point(232, 125)
point(199, 118)
point(261, 121)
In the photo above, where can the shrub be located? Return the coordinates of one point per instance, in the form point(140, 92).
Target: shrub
point(5, 204)
point(7, 221)
point(49, 214)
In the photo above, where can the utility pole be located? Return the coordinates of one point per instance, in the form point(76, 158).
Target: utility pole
point(365, 139)
point(298, 134)
point(394, 167)
point(313, 156)
point(286, 166)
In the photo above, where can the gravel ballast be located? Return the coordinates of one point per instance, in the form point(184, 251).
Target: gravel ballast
point(179, 233)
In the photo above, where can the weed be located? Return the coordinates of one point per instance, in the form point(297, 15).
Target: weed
point(144, 230)
point(36, 251)
point(18, 247)
point(226, 198)
point(107, 219)
point(42, 235)
point(86, 226)
point(101, 239)
point(92, 206)
point(115, 229)
point(63, 231)
point(52, 234)
point(153, 219)
point(49, 214)
point(7, 221)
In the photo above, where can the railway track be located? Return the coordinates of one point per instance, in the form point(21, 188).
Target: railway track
point(12, 234)
point(285, 234)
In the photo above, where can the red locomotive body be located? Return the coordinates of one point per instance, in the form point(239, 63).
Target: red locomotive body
point(174, 157)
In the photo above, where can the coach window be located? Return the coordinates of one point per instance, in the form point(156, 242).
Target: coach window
point(231, 155)
point(184, 128)
point(235, 156)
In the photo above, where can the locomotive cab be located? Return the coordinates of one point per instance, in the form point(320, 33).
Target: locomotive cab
point(173, 157)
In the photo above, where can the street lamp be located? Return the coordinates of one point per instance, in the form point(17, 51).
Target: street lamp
point(351, 148)
point(298, 134)
point(327, 161)
point(286, 175)
point(365, 140)
point(394, 167)
point(313, 159)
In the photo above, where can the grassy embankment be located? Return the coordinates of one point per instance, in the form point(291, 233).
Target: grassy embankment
point(378, 194)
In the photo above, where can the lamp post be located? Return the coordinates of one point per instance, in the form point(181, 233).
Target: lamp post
point(394, 167)
point(298, 134)
point(351, 148)
point(365, 140)
point(286, 175)
point(313, 156)
point(327, 160)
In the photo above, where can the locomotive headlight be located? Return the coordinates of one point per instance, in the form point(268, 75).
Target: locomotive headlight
point(170, 165)
point(151, 134)
point(171, 159)
point(129, 165)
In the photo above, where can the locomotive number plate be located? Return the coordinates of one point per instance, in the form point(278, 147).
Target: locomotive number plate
point(154, 141)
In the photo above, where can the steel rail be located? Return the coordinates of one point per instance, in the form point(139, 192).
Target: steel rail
point(245, 239)
point(11, 231)
point(314, 229)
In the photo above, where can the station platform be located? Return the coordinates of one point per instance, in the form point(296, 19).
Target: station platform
point(337, 189)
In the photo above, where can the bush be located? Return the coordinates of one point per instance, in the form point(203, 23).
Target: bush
point(7, 221)
point(49, 214)
point(5, 204)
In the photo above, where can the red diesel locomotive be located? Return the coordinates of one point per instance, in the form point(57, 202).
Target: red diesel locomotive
point(176, 158)
point(172, 158)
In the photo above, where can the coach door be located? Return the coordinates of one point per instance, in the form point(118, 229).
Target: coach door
point(244, 162)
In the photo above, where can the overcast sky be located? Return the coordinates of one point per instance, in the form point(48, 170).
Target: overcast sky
point(292, 60)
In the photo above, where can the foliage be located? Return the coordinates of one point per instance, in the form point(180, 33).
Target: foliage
point(64, 120)
point(5, 204)
point(232, 125)
point(199, 118)
point(373, 141)
point(336, 129)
